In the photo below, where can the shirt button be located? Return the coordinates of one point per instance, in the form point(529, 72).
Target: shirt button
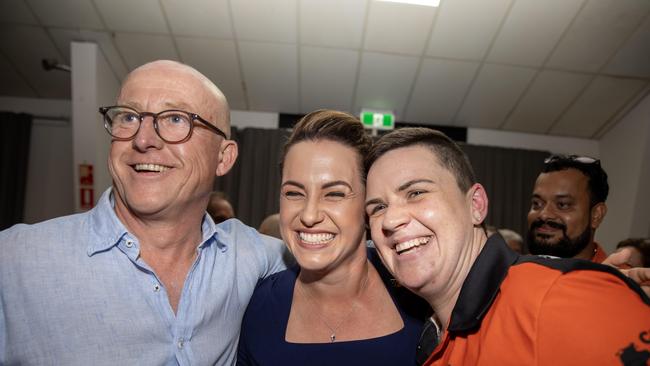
point(129, 243)
point(156, 287)
point(181, 343)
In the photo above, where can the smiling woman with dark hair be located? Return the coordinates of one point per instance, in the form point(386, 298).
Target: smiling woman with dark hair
point(338, 307)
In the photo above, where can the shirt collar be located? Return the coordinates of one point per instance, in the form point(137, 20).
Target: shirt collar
point(216, 233)
point(107, 229)
point(482, 284)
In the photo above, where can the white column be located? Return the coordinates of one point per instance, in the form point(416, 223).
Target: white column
point(93, 85)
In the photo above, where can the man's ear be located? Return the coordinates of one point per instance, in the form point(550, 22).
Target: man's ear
point(598, 213)
point(227, 157)
point(479, 203)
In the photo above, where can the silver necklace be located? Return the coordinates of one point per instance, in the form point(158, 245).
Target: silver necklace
point(335, 328)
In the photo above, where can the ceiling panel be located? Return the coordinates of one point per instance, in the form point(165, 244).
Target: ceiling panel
point(604, 97)
point(550, 94)
point(439, 90)
point(207, 18)
point(597, 32)
point(399, 28)
point(67, 13)
point(525, 42)
point(476, 62)
point(634, 57)
point(465, 28)
point(63, 37)
point(138, 49)
point(216, 59)
point(16, 11)
point(327, 78)
point(263, 20)
point(142, 15)
point(384, 82)
point(493, 95)
point(316, 22)
point(13, 84)
point(271, 76)
point(107, 46)
point(48, 84)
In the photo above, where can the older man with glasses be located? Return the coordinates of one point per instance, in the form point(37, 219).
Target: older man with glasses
point(567, 206)
point(145, 277)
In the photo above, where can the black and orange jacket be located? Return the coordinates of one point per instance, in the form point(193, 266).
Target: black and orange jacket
point(532, 310)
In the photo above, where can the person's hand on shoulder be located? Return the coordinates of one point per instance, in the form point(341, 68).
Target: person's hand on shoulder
point(621, 260)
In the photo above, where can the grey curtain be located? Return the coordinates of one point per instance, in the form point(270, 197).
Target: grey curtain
point(508, 176)
point(253, 185)
point(15, 132)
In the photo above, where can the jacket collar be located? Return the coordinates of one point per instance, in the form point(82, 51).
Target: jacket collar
point(482, 284)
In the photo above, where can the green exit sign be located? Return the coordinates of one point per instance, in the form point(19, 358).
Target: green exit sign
point(378, 120)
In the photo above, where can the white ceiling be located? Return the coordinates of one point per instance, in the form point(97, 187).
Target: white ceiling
point(561, 67)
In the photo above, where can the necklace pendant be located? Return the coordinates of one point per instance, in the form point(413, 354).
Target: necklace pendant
point(332, 337)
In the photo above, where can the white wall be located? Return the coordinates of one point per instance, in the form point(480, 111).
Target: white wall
point(641, 216)
point(244, 119)
point(625, 155)
point(553, 144)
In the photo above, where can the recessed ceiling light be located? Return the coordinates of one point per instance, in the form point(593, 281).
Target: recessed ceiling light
point(433, 3)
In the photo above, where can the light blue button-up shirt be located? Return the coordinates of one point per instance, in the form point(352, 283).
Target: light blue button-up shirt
point(74, 291)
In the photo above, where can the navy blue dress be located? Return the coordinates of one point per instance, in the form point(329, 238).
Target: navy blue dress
point(262, 340)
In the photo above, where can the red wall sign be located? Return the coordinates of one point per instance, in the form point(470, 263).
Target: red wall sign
point(86, 190)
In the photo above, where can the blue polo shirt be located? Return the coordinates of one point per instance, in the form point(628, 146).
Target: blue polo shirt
point(74, 291)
